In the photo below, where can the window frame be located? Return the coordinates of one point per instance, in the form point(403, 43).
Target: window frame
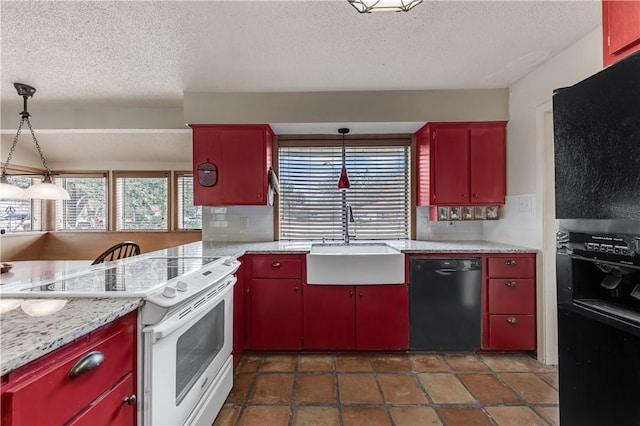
point(175, 223)
point(85, 174)
point(351, 141)
point(113, 197)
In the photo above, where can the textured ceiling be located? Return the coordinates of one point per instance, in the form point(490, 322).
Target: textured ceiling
point(151, 51)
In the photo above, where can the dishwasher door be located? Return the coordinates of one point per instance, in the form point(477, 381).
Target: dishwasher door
point(445, 304)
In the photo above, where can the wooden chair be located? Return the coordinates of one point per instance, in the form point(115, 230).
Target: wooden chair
point(118, 251)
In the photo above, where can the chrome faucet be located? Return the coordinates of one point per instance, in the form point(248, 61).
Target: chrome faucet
point(348, 217)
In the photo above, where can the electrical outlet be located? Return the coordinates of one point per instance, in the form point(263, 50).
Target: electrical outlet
point(451, 224)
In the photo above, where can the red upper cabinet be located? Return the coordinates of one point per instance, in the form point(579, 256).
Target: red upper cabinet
point(461, 163)
point(620, 29)
point(242, 155)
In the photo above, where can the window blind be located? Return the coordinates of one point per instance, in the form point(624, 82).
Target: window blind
point(189, 216)
point(87, 207)
point(141, 203)
point(312, 206)
point(21, 215)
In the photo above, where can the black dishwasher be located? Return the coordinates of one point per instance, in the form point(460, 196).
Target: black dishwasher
point(445, 304)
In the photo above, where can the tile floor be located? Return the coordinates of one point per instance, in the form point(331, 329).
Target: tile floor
point(344, 389)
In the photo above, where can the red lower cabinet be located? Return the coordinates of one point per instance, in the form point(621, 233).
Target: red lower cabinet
point(45, 392)
point(510, 321)
point(238, 315)
point(372, 317)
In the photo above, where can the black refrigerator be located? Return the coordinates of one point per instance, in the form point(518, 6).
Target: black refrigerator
point(597, 189)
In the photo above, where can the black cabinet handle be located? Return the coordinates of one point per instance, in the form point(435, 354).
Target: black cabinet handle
point(510, 262)
point(131, 399)
point(511, 284)
point(350, 294)
point(361, 295)
point(86, 363)
point(512, 320)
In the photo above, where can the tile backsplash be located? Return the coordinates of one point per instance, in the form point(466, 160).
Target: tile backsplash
point(237, 223)
point(446, 230)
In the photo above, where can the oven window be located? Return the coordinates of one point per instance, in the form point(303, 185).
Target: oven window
point(196, 349)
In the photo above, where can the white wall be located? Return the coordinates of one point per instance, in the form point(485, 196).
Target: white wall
point(529, 138)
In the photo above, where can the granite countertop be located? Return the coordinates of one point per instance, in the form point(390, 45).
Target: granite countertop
point(24, 338)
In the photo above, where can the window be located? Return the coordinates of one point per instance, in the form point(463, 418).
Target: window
point(312, 206)
point(87, 207)
point(189, 216)
point(142, 200)
point(21, 215)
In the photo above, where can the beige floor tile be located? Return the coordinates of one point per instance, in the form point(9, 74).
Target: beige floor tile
point(315, 389)
point(551, 414)
point(551, 378)
point(401, 389)
point(445, 388)
point(413, 416)
point(464, 362)
point(500, 362)
point(487, 389)
point(315, 363)
point(316, 416)
point(262, 416)
point(427, 363)
point(279, 362)
point(353, 362)
point(361, 416)
point(241, 385)
point(515, 416)
point(249, 363)
point(227, 416)
point(463, 416)
point(358, 388)
point(390, 363)
point(531, 388)
point(272, 389)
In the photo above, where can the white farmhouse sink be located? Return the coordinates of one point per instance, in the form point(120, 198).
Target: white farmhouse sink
point(349, 264)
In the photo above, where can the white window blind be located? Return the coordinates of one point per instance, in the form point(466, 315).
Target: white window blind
point(312, 206)
point(87, 207)
point(141, 202)
point(21, 215)
point(189, 216)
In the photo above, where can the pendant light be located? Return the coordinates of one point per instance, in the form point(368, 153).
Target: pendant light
point(368, 6)
point(343, 182)
point(46, 190)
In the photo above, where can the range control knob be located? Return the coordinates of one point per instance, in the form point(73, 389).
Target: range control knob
point(182, 286)
point(229, 261)
point(170, 292)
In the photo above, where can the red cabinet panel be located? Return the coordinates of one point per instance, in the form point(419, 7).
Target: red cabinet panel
point(329, 317)
point(111, 408)
point(45, 383)
point(511, 296)
point(488, 165)
point(461, 163)
point(512, 332)
point(276, 314)
point(451, 171)
point(238, 315)
point(275, 266)
point(621, 29)
point(382, 317)
point(242, 155)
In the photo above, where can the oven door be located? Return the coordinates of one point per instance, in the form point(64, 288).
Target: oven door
point(184, 356)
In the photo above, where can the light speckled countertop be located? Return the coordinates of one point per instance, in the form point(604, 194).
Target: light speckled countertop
point(24, 338)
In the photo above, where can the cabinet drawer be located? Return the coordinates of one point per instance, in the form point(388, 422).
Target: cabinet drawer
point(276, 267)
point(61, 397)
point(512, 332)
point(511, 296)
point(110, 408)
point(511, 267)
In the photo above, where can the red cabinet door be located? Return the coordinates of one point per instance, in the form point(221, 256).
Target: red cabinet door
point(238, 316)
point(451, 165)
point(382, 317)
point(620, 29)
point(512, 296)
point(512, 332)
point(487, 164)
point(244, 168)
point(276, 314)
point(207, 149)
point(329, 317)
point(111, 408)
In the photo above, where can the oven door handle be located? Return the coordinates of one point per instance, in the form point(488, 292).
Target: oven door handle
point(174, 322)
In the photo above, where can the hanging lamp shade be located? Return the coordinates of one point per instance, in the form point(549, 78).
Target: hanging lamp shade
point(45, 190)
point(343, 182)
point(368, 6)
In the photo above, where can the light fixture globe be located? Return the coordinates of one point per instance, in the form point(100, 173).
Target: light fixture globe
point(368, 6)
point(46, 190)
point(10, 192)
